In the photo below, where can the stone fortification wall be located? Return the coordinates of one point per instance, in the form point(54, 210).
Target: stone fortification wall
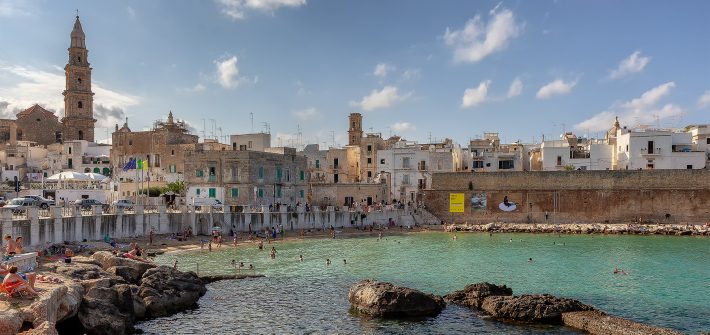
point(660, 196)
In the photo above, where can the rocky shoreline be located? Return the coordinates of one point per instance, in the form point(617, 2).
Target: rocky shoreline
point(103, 294)
point(587, 228)
point(380, 299)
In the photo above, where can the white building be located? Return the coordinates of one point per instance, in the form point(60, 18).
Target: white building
point(410, 166)
point(251, 142)
point(700, 136)
point(573, 153)
point(641, 149)
point(487, 154)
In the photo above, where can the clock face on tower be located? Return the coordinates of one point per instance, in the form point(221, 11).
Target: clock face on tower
point(78, 117)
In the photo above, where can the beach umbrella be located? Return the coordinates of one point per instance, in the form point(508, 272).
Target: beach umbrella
point(68, 176)
point(95, 176)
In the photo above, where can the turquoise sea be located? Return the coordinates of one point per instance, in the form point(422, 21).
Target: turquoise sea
point(667, 282)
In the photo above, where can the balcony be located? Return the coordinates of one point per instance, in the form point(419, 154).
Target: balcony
point(652, 152)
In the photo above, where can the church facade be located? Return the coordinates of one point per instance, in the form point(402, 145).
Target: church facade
point(36, 124)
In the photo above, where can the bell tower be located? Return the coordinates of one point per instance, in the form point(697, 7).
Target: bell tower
point(355, 129)
point(78, 117)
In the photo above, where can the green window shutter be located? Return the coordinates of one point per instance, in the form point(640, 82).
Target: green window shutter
point(261, 172)
point(212, 192)
point(300, 192)
point(199, 173)
point(197, 191)
point(279, 173)
point(278, 192)
point(97, 170)
point(302, 175)
point(235, 192)
point(317, 164)
point(261, 193)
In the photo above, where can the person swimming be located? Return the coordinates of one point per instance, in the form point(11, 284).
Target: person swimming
point(345, 262)
point(327, 261)
point(300, 258)
point(530, 260)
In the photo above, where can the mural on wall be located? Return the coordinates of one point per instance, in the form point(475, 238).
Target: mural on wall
point(506, 205)
point(479, 201)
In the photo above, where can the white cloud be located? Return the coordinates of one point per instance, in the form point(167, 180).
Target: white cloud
point(633, 64)
point(306, 114)
point(237, 9)
point(411, 74)
point(475, 96)
point(199, 87)
point(228, 73)
point(382, 69)
point(555, 87)
point(401, 127)
point(516, 88)
point(704, 100)
point(10, 8)
point(131, 12)
point(476, 40)
point(388, 96)
point(30, 86)
point(641, 110)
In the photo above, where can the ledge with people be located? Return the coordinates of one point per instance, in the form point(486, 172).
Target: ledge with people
point(16, 269)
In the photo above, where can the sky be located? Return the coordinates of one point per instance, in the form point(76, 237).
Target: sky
point(423, 70)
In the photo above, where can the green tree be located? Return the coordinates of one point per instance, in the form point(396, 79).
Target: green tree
point(177, 187)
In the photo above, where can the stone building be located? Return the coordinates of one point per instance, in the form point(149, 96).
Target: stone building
point(36, 124)
point(162, 147)
point(246, 178)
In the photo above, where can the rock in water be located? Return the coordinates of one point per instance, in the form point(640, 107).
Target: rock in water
point(166, 291)
point(599, 323)
point(108, 260)
point(543, 308)
point(385, 300)
point(472, 295)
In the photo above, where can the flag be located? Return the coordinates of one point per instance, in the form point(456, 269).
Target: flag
point(130, 165)
point(139, 165)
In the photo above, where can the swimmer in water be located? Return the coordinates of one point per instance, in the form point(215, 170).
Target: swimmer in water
point(300, 258)
point(327, 261)
point(251, 266)
point(455, 237)
point(345, 262)
point(511, 240)
point(530, 260)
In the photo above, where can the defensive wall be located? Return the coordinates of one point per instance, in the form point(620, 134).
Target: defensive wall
point(657, 196)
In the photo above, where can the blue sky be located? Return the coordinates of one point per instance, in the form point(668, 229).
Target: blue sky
point(413, 68)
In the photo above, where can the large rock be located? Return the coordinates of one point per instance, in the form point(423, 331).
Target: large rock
point(45, 328)
point(107, 310)
point(473, 295)
point(166, 291)
point(543, 308)
point(129, 274)
point(382, 299)
point(108, 260)
point(10, 321)
point(55, 304)
point(599, 323)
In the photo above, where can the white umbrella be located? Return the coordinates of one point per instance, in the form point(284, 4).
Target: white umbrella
point(95, 176)
point(68, 175)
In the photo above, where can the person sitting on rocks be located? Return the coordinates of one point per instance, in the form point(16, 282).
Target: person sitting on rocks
point(10, 245)
point(19, 283)
point(68, 254)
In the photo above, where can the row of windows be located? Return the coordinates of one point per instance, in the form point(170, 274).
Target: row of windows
point(260, 173)
point(234, 192)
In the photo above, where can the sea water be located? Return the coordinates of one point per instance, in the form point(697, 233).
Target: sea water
point(667, 282)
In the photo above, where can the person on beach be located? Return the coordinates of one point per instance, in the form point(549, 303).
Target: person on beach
point(19, 283)
point(209, 245)
point(235, 240)
point(18, 245)
point(68, 254)
point(273, 252)
point(9, 245)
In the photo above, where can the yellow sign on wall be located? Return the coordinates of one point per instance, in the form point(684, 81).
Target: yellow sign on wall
point(456, 202)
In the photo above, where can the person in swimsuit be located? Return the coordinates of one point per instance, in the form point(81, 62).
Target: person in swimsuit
point(9, 245)
point(18, 245)
point(16, 283)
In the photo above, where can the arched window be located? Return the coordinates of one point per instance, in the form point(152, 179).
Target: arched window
point(80, 104)
point(97, 170)
point(87, 170)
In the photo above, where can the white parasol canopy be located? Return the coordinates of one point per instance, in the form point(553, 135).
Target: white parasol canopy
point(68, 176)
point(95, 176)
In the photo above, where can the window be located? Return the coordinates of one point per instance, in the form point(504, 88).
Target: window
point(234, 146)
point(650, 147)
point(172, 168)
point(317, 164)
point(369, 160)
point(130, 142)
point(506, 165)
point(172, 152)
point(235, 192)
point(69, 163)
point(249, 145)
point(197, 191)
point(559, 160)
point(335, 178)
point(405, 179)
point(335, 163)
point(260, 193)
point(97, 170)
point(235, 173)
point(440, 164)
point(288, 175)
point(405, 163)
point(382, 161)
point(707, 140)
point(242, 147)
point(301, 193)
point(58, 136)
point(212, 192)
point(278, 191)
point(689, 167)
point(261, 172)
point(369, 174)
point(79, 80)
point(81, 134)
point(78, 59)
point(369, 147)
point(70, 150)
point(477, 164)
point(199, 173)
point(278, 173)
point(80, 104)
point(301, 175)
